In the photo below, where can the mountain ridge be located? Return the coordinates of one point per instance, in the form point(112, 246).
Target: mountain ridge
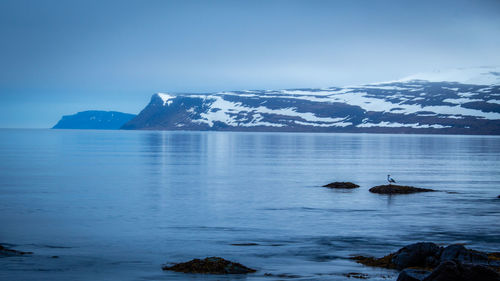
point(400, 106)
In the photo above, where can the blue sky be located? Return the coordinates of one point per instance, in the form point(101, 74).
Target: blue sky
point(60, 57)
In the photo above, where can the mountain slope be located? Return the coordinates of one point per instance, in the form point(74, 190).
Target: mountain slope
point(404, 106)
point(94, 119)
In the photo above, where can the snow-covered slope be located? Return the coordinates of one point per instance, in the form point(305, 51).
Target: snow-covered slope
point(410, 105)
point(475, 76)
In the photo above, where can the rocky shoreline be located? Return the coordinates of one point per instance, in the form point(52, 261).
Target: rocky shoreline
point(427, 261)
point(423, 261)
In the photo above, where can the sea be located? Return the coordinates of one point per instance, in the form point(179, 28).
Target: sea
point(118, 205)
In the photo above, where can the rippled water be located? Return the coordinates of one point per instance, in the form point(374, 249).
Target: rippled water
point(116, 205)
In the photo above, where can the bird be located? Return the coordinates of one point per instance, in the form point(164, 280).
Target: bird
point(390, 180)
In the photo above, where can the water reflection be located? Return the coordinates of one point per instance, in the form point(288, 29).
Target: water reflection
point(172, 196)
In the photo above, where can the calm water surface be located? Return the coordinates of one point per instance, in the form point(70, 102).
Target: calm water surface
point(116, 205)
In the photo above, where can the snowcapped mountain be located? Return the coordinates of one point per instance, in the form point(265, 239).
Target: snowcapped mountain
point(463, 101)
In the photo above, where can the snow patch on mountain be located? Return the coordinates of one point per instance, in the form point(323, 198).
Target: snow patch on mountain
point(461, 100)
point(166, 98)
point(359, 97)
point(228, 112)
point(406, 125)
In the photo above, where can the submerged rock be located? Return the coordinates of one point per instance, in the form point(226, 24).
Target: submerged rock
point(210, 265)
point(397, 189)
point(4, 252)
point(341, 184)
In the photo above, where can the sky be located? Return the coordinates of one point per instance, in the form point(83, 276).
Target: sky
point(61, 57)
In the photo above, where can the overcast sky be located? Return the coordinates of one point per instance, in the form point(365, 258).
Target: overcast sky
point(60, 57)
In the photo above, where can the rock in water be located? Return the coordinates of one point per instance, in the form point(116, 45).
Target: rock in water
point(422, 254)
point(211, 265)
point(342, 184)
point(460, 253)
point(456, 271)
point(397, 189)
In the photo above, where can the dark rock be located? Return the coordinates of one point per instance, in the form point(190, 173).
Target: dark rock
point(4, 252)
point(427, 256)
point(397, 189)
point(456, 271)
point(413, 275)
point(211, 265)
point(460, 253)
point(342, 184)
point(422, 254)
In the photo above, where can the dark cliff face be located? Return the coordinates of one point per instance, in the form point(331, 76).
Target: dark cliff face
point(94, 119)
point(414, 106)
point(159, 114)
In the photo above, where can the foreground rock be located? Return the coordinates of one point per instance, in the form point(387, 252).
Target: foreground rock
point(458, 252)
point(429, 262)
point(397, 189)
point(457, 271)
point(4, 252)
point(423, 254)
point(341, 184)
point(211, 265)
